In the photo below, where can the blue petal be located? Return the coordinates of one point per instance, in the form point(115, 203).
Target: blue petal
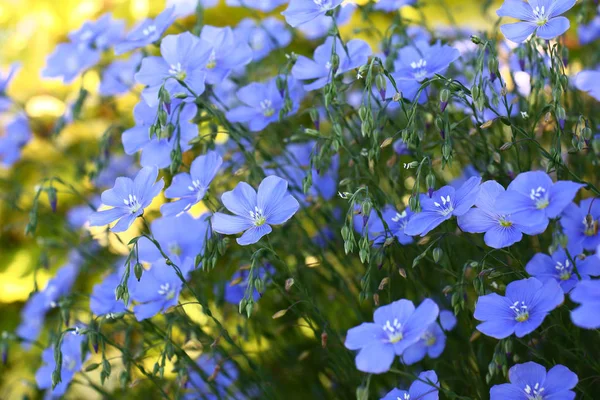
point(499, 237)
point(254, 234)
point(363, 335)
point(560, 379)
point(527, 374)
point(559, 7)
point(507, 391)
point(477, 220)
point(414, 353)
point(230, 224)
point(518, 32)
point(548, 297)
point(376, 358)
point(516, 9)
point(124, 223)
point(562, 194)
point(447, 320)
point(426, 387)
point(553, 28)
point(241, 200)
point(422, 223)
point(419, 321)
point(147, 310)
point(105, 217)
point(400, 309)
point(394, 394)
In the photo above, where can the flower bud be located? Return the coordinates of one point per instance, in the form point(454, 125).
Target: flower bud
point(381, 84)
point(444, 97)
point(493, 67)
point(561, 115)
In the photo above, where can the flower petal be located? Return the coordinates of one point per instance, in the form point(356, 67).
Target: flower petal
point(376, 358)
point(241, 200)
point(553, 28)
point(254, 234)
point(518, 32)
point(230, 224)
point(363, 335)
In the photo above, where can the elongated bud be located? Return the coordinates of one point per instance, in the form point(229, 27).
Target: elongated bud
point(475, 39)
point(430, 181)
point(280, 81)
point(493, 67)
point(440, 125)
point(335, 62)
point(444, 97)
point(437, 254)
point(561, 115)
point(138, 270)
point(381, 84)
point(586, 133)
point(314, 116)
point(52, 198)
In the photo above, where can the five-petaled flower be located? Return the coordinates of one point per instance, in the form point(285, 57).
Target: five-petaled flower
point(423, 388)
point(302, 11)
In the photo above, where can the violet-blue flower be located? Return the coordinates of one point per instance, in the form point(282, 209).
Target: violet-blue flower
point(5, 101)
point(181, 68)
point(183, 8)
point(530, 381)
point(443, 205)
point(319, 70)
point(227, 54)
point(224, 373)
point(263, 37)
point(542, 17)
point(581, 224)
point(423, 388)
point(128, 199)
point(532, 197)
point(103, 300)
point(118, 77)
point(521, 311)
point(560, 268)
point(423, 61)
point(302, 11)
point(255, 212)
point(261, 5)
point(589, 81)
point(99, 34)
point(17, 134)
point(69, 60)
point(392, 5)
point(396, 222)
point(431, 343)
point(587, 294)
point(190, 188)
point(501, 230)
point(146, 32)
point(396, 327)
point(321, 25)
point(589, 32)
point(235, 289)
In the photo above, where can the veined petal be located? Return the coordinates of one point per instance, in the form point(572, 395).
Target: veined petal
point(553, 28)
point(363, 335)
point(230, 224)
point(254, 234)
point(241, 200)
point(375, 358)
point(516, 9)
point(105, 217)
point(561, 195)
point(518, 32)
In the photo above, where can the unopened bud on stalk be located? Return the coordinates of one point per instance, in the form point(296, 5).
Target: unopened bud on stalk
point(493, 67)
point(381, 84)
point(444, 97)
point(561, 115)
point(430, 181)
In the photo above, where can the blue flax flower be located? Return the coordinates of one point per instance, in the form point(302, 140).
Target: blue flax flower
point(540, 16)
point(530, 381)
point(190, 188)
point(99, 34)
point(181, 68)
point(69, 60)
point(431, 343)
point(392, 5)
point(118, 165)
point(396, 222)
point(128, 199)
point(320, 26)
point(302, 11)
point(262, 103)
point(16, 135)
point(5, 101)
point(236, 288)
point(255, 212)
point(261, 5)
point(320, 71)
point(396, 327)
point(442, 205)
point(590, 32)
point(521, 311)
point(184, 8)
point(158, 289)
point(71, 364)
point(587, 294)
point(532, 198)
point(215, 382)
point(424, 388)
point(581, 224)
point(423, 61)
point(103, 300)
point(157, 151)
point(501, 230)
point(146, 32)
point(263, 37)
point(118, 77)
point(559, 268)
point(227, 54)
point(589, 81)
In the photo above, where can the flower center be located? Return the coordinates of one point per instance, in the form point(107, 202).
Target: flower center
point(400, 219)
point(257, 216)
point(405, 397)
point(257, 41)
point(540, 15)
point(196, 186)
point(540, 197)
point(323, 4)
point(429, 339)
point(563, 271)
point(150, 29)
point(534, 393)
point(590, 226)
point(133, 203)
point(166, 290)
point(69, 363)
point(504, 222)
point(446, 206)
point(393, 330)
point(212, 60)
point(174, 248)
point(521, 311)
point(267, 107)
point(177, 71)
point(420, 69)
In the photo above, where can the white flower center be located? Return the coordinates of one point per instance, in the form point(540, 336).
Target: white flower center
point(540, 15)
point(166, 290)
point(521, 311)
point(429, 338)
point(405, 397)
point(196, 186)
point(257, 216)
point(534, 393)
point(267, 107)
point(177, 71)
point(149, 30)
point(540, 197)
point(446, 207)
point(563, 271)
point(133, 203)
point(393, 330)
point(212, 60)
point(420, 69)
point(323, 4)
point(257, 41)
point(590, 226)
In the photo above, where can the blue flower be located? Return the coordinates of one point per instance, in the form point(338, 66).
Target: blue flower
point(396, 222)
point(501, 230)
point(5, 101)
point(392, 5)
point(34, 312)
point(16, 135)
point(228, 53)
point(321, 25)
point(442, 205)
point(71, 364)
point(78, 216)
point(255, 212)
point(118, 165)
point(587, 294)
point(581, 224)
point(539, 16)
point(235, 289)
point(559, 268)
point(183, 62)
point(262, 103)
point(264, 37)
point(424, 388)
point(423, 61)
point(431, 343)
point(261, 5)
point(157, 151)
point(589, 81)
point(302, 11)
point(396, 327)
point(69, 60)
point(320, 71)
point(103, 300)
point(146, 32)
point(128, 199)
point(118, 77)
point(190, 188)
point(521, 311)
point(532, 198)
point(590, 32)
point(531, 381)
point(99, 34)
point(222, 374)
point(447, 320)
point(158, 289)
point(400, 147)
point(183, 8)
point(179, 237)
